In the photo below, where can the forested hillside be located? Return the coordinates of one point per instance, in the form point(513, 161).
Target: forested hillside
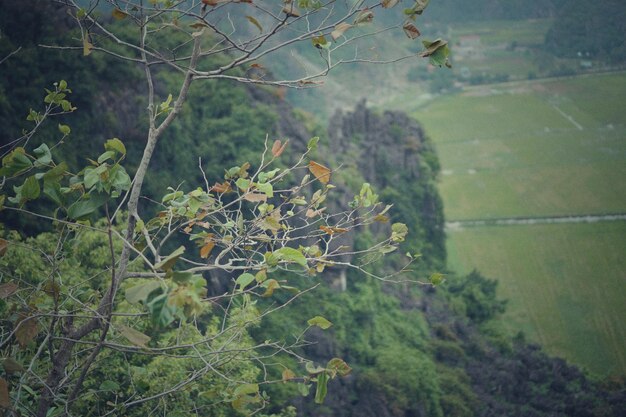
point(590, 32)
point(415, 349)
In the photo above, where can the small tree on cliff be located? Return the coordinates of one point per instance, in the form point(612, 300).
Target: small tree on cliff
point(111, 317)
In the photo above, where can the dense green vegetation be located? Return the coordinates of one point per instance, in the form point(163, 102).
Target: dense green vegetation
point(416, 350)
point(589, 32)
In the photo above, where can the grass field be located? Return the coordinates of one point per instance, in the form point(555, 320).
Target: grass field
point(565, 284)
point(535, 149)
point(532, 149)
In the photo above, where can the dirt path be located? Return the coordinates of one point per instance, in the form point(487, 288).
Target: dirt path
point(568, 117)
point(455, 225)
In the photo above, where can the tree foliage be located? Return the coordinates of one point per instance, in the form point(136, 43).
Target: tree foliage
point(111, 313)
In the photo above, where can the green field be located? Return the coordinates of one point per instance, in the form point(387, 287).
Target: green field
point(515, 152)
point(566, 285)
point(538, 149)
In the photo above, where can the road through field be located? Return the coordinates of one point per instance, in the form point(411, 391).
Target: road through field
point(590, 218)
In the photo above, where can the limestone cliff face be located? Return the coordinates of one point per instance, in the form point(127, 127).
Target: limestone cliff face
point(391, 152)
point(385, 147)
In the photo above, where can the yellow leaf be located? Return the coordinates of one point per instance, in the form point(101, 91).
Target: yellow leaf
point(119, 14)
point(205, 251)
point(270, 285)
point(333, 230)
point(288, 374)
point(255, 23)
point(320, 172)
point(381, 218)
point(87, 46)
point(134, 336)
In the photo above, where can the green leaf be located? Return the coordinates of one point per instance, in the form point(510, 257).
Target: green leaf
point(106, 155)
point(312, 369)
point(246, 389)
point(161, 313)
point(30, 188)
point(291, 255)
point(92, 175)
point(312, 145)
point(109, 386)
point(320, 322)
point(182, 277)
point(115, 145)
point(52, 190)
point(398, 232)
point(437, 51)
point(140, 293)
point(134, 336)
point(44, 157)
point(15, 163)
point(244, 280)
point(270, 259)
point(165, 106)
point(322, 388)
point(436, 278)
point(86, 206)
point(387, 249)
point(304, 389)
point(320, 42)
point(338, 366)
point(261, 276)
point(119, 178)
point(65, 129)
point(265, 176)
point(55, 173)
point(417, 9)
point(243, 184)
point(167, 263)
point(266, 188)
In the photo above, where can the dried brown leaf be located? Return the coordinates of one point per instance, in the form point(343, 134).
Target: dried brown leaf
point(7, 289)
point(320, 172)
point(25, 330)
